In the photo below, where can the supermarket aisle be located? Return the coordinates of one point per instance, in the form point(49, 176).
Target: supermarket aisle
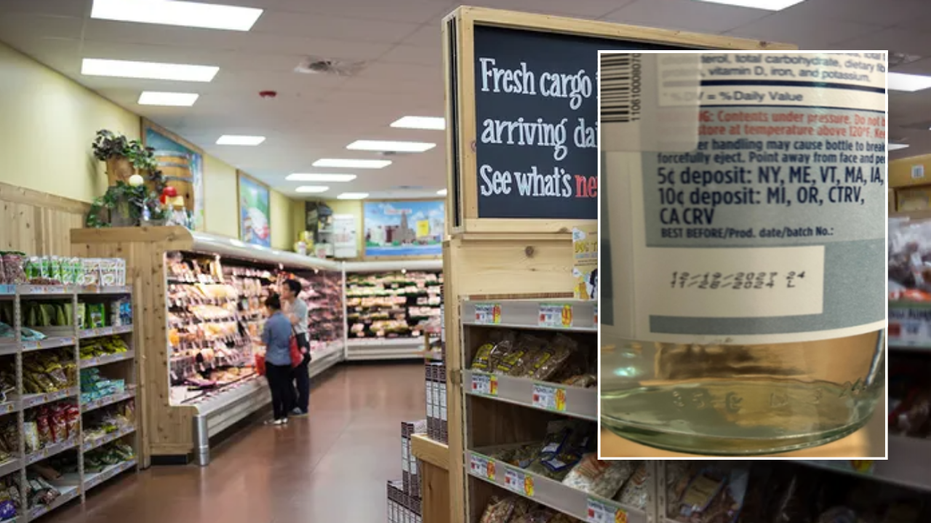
point(330, 467)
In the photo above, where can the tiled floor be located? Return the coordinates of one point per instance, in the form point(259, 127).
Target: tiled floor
point(331, 467)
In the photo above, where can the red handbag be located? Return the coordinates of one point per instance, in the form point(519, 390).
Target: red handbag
point(260, 364)
point(296, 356)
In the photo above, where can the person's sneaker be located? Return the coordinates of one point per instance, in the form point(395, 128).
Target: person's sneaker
point(282, 421)
point(297, 411)
point(301, 414)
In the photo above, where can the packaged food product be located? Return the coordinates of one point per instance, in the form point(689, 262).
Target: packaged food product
point(599, 478)
point(634, 492)
point(499, 510)
point(13, 268)
point(551, 357)
point(72, 420)
point(31, 436)
point(42, 427)
point(7, 510)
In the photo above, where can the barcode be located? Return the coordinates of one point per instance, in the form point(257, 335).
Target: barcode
point(620, 87)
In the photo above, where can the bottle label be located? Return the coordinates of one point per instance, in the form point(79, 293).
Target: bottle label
point(771, 229)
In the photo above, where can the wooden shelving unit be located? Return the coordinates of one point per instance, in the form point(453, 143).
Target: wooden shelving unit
point(67, 340)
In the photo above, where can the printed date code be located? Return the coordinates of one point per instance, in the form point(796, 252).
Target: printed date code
point(736, 280)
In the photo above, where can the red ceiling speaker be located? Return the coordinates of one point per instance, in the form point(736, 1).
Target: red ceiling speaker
point(268, 94)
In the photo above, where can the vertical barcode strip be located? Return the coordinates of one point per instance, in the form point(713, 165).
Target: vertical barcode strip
point(620, 87)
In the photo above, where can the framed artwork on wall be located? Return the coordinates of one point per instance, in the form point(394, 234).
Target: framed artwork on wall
point(403, 229)
point(254, 210)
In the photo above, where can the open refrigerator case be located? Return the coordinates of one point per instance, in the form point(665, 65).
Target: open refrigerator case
point(322, 291)
point(391, 307)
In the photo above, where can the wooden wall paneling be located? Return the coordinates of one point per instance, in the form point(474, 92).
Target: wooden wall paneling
point(37, 223)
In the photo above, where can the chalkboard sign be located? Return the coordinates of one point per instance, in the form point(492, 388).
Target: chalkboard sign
point(536, 114)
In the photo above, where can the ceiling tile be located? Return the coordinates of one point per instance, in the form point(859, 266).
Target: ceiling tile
point(806, 32)
point(411, 54)
point(284, 23)
point(75, 8)
point(872, 12)
point(409, 11)
point(38, 26)
point(577, 8)
point(899, 40)
point(687, 15)
point(429, 35)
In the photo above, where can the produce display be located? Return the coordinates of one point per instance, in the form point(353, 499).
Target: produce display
point(49, 371)
point(542, 357)
point(50, 424)
point(49, 315)
point(393, 305)
point(16, 268)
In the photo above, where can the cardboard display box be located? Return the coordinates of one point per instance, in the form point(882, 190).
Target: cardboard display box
point(913, 199)
point(909, 172)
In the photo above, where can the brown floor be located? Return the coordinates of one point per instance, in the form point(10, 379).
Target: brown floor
point(331, 467)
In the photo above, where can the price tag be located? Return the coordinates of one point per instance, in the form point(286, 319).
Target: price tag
point(519, 481)
point(601, 512)
point(555, 316)
point(486, 384)
point(596, 315)
point(549, 397)
point(482, 466)
point(487, 314)
point(7, 289)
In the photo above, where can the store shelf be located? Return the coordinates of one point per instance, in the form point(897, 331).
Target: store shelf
point(44, 290)
point(103, 440)
point(434, 452)
point(10, 466)
point(384, 349)
point(48, 343)
point(9, 407)
point(108, 400)
point(104, 331)
point(228, 407)
point(94, 479)
point(34, 400)
point(105, 360)
point(555, 314)
point(51, 450)
point(67, 494)
point(545, 491)
point(552, 397)
point(116, 289)
point(7, 349)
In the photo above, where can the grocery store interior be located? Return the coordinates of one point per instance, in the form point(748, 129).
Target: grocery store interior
point(168, 165)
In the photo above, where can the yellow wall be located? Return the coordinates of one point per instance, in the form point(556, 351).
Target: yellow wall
point(47, 125)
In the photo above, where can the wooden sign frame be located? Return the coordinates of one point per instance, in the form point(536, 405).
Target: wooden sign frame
point(459, 72)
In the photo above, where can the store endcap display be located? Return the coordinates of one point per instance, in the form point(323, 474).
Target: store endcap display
point(393, 305)
point(541, 356)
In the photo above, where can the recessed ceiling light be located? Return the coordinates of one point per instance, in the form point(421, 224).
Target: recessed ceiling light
point(231, 139)
point(169, 12)
point(908, 82)
point(441, 192)
point(383, 145)
point(353, 196)
point(148, 70)
point(312, 188)
point(168, 99)
point(769, 5)
point(352, 164)
point(897, 146)
point(318, 177)
point(430, 123)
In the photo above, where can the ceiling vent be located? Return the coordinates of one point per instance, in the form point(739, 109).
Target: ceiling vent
point(316, 65)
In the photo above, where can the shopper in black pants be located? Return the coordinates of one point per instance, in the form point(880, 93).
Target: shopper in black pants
point(277, 338)
point(296, 310)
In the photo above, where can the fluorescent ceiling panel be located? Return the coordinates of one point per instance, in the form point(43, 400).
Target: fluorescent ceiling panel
point(384, 145)
point(907, 82)
point(170, 12)
point(320, 177)
point(897, 146)
point(441, 192)
point(430, 123)
point(312, 188)
point(353, 196)
point(230, 139)
point(148, 70)
point(352, 164)
point(168, 99)
point(769, 5)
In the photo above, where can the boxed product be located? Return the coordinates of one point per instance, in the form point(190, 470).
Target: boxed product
point(409, 465)
point(585, 262)
point(909, 172)
point(431, 402)
point(913, 199)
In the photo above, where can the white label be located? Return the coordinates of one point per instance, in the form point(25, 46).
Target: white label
point(602, 512)
point(487, 314)
point(554, 315)
point(442, 324)
point(514, 480)
point(480, 466)
point(549, 397)
point(708, 245)
point(443, 401)
point(481, 384)
point(747, 283)
point(918, 171)
point(405, 454)
point(431, 405)
point(910, 326)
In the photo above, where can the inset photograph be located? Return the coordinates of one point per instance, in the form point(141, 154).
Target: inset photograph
point(743, 254)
